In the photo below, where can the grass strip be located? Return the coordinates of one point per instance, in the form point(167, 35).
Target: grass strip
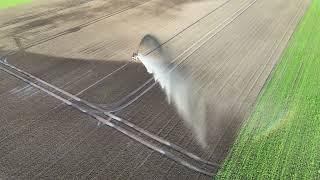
point(281, 138)
point(11, 3)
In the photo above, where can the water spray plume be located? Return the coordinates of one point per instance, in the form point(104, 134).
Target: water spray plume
point(179, 88)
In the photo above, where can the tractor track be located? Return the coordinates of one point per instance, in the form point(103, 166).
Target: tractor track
point(156, 129)
point(76, 28)
point(282, 41)
point(80, 104)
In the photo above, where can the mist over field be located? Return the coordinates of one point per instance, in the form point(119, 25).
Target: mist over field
point(178, 87)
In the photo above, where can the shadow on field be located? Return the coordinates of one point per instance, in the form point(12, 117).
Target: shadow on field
point(221, 123)
point(111, 79)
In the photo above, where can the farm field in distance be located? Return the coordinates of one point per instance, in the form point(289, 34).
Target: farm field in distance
point(280, 140)
point(10, 3)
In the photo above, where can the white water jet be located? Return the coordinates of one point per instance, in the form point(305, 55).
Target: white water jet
point(181, 92)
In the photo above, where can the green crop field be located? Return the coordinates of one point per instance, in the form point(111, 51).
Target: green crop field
point(281, 138)
point(10, 3)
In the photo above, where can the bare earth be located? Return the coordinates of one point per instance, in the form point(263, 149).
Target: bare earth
point(228, 46)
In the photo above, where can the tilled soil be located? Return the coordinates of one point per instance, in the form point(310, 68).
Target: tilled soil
point(228, 46)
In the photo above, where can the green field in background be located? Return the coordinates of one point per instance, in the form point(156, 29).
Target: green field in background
point(281, 138)
point(10, 3)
